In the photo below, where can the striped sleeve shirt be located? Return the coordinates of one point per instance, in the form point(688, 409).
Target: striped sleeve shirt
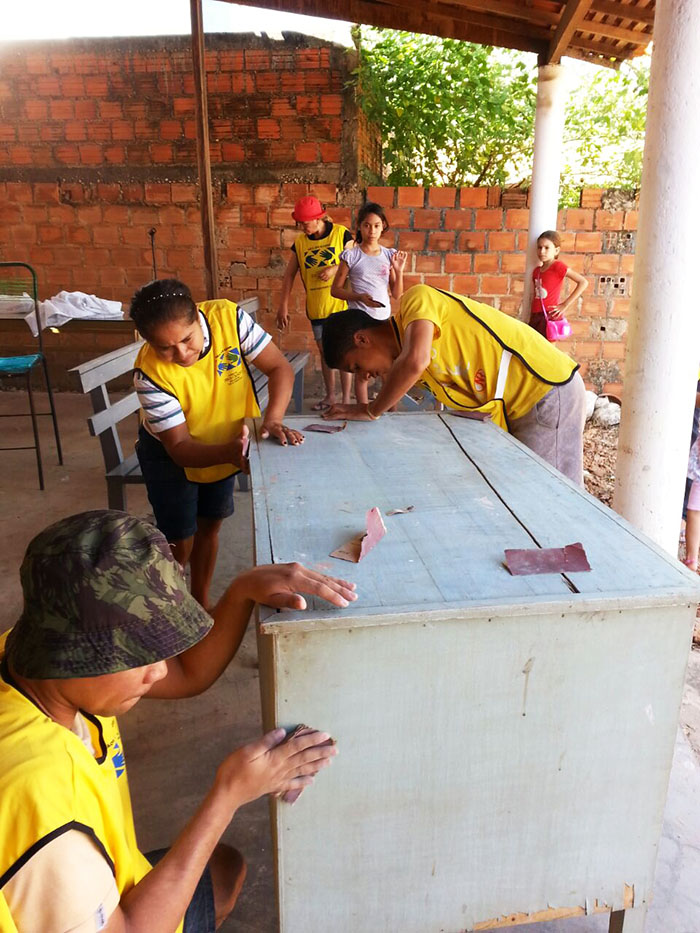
point(162, 411)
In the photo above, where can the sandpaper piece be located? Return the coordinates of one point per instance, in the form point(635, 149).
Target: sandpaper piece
point(291, 796)
point(408, 508)
point(360, 546)
point(326, 428)
point(472, 415)
point(569, 559)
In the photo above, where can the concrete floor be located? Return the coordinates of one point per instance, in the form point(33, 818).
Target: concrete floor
point(173, 748)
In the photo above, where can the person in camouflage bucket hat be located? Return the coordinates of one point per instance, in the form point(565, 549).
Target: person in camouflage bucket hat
point(102, 593)
point(107, 619)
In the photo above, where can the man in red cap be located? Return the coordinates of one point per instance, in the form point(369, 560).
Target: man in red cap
point(315, 255)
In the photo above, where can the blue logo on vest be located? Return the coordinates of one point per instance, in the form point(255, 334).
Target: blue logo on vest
point(228, 359)
point(320, 257)
point(118, 759)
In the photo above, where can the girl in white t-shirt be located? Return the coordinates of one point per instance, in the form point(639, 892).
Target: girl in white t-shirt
point(370, 273)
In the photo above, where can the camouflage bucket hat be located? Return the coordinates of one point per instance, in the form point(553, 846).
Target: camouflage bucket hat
point(102, 593)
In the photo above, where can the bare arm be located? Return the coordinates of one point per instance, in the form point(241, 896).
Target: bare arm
point(581, 286)
point(287, 282)
point(340, 291)
point(186, 452)
point(270, 765)
point(398, 264)
point(278, 585)
point(280, 382)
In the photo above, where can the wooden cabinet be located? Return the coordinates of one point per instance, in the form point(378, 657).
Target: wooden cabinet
point(505, 742)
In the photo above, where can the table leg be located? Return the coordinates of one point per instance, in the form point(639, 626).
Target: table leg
point(630, 920)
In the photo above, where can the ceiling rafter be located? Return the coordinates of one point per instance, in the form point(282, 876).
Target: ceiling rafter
point(607, 31)
point(571, 19)
point(636, 14)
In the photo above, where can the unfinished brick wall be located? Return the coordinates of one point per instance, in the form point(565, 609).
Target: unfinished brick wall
point(275, 108)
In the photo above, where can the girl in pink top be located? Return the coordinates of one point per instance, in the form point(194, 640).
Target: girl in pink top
point(547, 279)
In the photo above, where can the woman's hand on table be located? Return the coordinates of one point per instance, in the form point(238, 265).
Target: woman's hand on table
point(281, 586)
point(282, 433)
point(348, 413)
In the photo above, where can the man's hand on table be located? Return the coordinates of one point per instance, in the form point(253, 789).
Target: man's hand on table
point(348, 413)
point(283, 434)
point(281, 586)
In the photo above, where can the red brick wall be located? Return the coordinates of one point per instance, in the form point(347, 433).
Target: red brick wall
point(106, 104)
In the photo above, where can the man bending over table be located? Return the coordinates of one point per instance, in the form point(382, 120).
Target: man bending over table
point(472, 357)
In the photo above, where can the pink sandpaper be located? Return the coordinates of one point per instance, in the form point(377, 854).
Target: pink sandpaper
point(359, 546)
point(569, 559)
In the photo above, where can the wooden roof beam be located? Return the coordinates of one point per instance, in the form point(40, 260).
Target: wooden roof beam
point(636, 14)
point(520, 12)
point(571, 20)
point(454, 10)
point(412, 20)
point(607, 31)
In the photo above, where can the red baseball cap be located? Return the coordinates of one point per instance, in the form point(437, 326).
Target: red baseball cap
point(308, 208)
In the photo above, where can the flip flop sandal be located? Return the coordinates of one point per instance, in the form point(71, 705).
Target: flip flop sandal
point(320, 406)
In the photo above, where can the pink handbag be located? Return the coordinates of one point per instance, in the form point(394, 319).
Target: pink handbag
point(555, 330)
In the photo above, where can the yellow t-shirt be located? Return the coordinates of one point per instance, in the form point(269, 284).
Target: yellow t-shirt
point(482, 359)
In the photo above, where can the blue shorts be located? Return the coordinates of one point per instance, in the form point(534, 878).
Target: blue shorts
point(176, 501)
point(317, 328)
point(201, 914)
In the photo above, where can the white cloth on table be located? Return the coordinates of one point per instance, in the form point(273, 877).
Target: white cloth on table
point(68, 306)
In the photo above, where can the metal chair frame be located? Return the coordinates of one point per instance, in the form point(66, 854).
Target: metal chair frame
point(27, 372)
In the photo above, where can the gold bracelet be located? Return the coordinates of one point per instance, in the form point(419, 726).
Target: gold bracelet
point(372, 417)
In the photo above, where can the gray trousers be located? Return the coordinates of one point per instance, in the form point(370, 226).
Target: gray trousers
point(553, 428)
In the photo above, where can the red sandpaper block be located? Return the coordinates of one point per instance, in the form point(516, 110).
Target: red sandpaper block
point(569, 559)
point(291, 796)
point(326, 428)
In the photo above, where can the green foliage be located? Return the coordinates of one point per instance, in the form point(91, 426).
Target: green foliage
point(453, 113)
point(450, 112)
point(604, 131)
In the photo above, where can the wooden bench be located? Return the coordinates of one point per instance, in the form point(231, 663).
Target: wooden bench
point(93, 377)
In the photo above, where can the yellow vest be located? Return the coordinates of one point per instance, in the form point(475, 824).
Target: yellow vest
point(482, 359)
point(216, 393)
point(50, 783)
point(313, 255)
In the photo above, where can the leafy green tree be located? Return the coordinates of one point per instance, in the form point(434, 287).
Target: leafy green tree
point(450, 112)
point(604, 130)
point(454, 113)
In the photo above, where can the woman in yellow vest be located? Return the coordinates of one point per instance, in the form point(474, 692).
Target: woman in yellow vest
point(194, 384)
point(315, 256)
point(471, 357)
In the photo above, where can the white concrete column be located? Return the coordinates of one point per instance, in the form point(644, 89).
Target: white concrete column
point(663, 340)
point(546, 165)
